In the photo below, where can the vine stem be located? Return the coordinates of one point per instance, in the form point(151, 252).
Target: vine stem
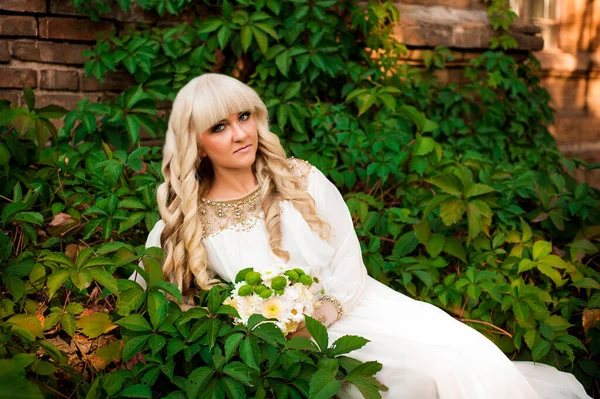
point(487, 324)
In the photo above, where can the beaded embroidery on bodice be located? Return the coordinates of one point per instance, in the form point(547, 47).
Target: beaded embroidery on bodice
point(241, 214)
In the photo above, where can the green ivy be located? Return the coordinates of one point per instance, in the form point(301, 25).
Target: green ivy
point(459, 195)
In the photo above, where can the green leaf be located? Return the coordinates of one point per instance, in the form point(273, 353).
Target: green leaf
point(197, 380)
point(156, 343)
point(105, 278)
point(74, 308)
point(365, 369)
point(231, 345)
point(134, 346)
point(234, 389)
point(95, 324)
point(238, 371)
point(29, 323)
point(246, 37)
point(525, 265)
point(130, 300)
point(449, 183)
point(56, 280)
point(540, 249)
point(424, 146)
point(318, 332)
point(134, 322)
point(588, 283)
point(170, 289)
point(452, 211)
point(478, 189)
point(558, 323)
point(479, 217)
point(137, 391)
point(346, 344)
point(550, 272)
point(435, 245)
point(68, 323)
point(540, 350)
point(249, 352)
point(157, 308)
point(455, 248)
point(302, 343)
point(323, 384)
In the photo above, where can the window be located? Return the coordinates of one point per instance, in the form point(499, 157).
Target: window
point(543, 13)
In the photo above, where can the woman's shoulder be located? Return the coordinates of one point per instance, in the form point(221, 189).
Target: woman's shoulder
point(302, 166)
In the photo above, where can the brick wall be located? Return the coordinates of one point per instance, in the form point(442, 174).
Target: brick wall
point(572, 76)
point(41, 46)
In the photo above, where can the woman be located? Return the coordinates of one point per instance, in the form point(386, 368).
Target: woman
point(231, 200)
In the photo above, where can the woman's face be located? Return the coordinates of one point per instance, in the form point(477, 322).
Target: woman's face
point(231, 143)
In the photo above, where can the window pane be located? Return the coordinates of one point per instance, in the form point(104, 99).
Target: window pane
point(550, 35)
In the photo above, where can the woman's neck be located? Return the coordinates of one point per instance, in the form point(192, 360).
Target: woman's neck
point(231, 184)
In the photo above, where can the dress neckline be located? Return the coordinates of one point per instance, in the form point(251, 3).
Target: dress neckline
point(232, 201)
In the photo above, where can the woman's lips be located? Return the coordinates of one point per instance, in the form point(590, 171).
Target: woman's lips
point(243, 149)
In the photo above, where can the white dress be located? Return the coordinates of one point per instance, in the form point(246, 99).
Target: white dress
point(425, 352)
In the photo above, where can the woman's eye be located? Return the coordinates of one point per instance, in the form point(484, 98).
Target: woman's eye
point(244, 116)
point(218, 128)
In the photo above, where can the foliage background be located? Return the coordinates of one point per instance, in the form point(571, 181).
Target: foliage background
point(459, 194)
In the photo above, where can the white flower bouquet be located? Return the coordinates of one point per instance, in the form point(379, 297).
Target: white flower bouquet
point(275, 293)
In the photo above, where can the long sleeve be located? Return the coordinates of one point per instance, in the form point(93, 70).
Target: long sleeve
point(153, 240)
point(346, 273)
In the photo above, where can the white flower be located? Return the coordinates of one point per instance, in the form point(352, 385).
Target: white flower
point(273, 308)
point(296, 313)
point(269, 273)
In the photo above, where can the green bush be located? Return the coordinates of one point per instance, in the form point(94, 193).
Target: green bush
point(459, 194)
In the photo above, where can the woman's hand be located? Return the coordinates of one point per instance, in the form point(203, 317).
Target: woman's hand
point(302, 331)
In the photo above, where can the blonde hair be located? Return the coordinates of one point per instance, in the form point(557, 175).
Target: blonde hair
point(200, 104)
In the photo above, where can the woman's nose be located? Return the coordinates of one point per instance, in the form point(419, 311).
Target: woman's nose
point(238, 132)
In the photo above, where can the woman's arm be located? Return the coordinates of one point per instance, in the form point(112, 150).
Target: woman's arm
point(346, 273)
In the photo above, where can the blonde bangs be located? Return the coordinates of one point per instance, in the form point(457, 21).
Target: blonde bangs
point(220, 97)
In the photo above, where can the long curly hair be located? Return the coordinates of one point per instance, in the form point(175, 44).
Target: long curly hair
point(200, 104)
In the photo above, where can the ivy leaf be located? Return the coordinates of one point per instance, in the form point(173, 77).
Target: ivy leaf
point(197, 380)
point(95, 324)
point(105, 278)
point(452, 211)
point(231, 345)
point(106, 355)
point(29, 324)
point(541, 249)
point(435, 244)
point(540, 350)
point(157, 308)
point(134, 346)
point(137, 391)
point(346, 344)
point(68, 323)
point(134, 322)
point(318, 332)
point(550, 272)
point(449, 183)
point(323, 384)
point(56, 280)
point(239, 372)
point(130, 300)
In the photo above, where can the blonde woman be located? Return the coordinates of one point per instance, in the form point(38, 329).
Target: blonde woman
point(231, 200)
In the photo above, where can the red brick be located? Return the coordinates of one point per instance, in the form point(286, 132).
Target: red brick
point(16, 78)
point(23, 5)
point(55, 79)
point(14, 25)
point(73, 29)
point(64, 7)
point(13, 96)
point(57, 53)
point(66, 100)
point(4, 52)
point(117, 81)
